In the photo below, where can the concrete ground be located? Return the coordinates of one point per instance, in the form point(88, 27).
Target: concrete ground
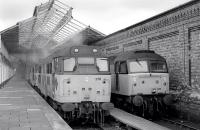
point(21, 108)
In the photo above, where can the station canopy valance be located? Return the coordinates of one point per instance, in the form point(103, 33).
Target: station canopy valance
point(52, 25)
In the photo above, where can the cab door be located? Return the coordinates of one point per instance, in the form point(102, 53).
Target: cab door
point(117, 76)
point(123, 79)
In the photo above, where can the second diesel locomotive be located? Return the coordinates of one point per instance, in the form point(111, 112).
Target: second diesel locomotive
point(140, 81)
point(77, 82)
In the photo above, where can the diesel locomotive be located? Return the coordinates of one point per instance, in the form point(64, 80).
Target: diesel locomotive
point(76, 81)
point(140, 82)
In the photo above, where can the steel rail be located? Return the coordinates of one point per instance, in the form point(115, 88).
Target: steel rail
point(180, 124)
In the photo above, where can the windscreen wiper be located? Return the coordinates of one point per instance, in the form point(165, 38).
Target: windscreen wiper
point(138, 62)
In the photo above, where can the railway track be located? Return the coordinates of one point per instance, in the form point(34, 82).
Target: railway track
point(116, 125)
point(110, 124)
point(180, 124)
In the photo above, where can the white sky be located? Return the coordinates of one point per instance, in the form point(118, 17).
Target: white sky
point(106, 16)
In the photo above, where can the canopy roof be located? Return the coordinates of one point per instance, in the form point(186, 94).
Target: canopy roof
point(50, 26)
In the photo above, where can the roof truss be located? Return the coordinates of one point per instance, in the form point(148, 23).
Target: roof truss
point(51, 24)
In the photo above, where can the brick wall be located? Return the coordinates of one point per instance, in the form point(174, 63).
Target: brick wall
point(169, 46)
point(174, 34)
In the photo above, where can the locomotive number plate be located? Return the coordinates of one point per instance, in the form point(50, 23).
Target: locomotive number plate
point(98, 79)
point(158, 89)
point(86, 98)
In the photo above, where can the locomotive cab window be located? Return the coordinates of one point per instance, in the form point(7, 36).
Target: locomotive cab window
point(123, 68)
point(158, 67)
point(69, 64)
point(138, 66)
point(102, 64)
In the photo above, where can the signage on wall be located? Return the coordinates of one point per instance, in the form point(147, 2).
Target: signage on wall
point(133, 45)
point(114, 49)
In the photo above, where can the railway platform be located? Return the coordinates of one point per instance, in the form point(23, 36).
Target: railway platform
point(22, 108)
point(135, 121)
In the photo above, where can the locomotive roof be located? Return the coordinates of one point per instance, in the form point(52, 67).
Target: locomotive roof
point(83, 51)
point(138, 55)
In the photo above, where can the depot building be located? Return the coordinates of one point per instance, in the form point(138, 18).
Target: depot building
point(174, 34)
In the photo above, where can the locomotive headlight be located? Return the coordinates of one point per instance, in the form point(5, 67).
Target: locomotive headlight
point(165, 81)
point(86, 79)
point(76, 50)
point(68, 81)
point(105, 81)
point(134, 85)
point(74, 92)
point(153, 90)
point(94, 50)
point(134, 79)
